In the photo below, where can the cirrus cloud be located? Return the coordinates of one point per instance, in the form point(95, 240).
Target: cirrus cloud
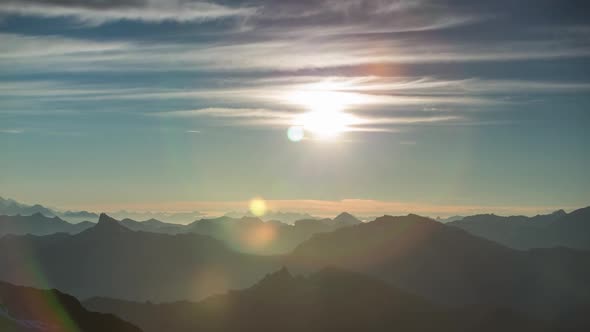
point(98, 12)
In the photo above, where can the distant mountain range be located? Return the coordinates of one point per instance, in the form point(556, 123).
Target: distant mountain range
point(280, 232)
point(285, 217)
point(448, 265)
point(112, 260)
point(441, 263)
point(24, 309)
point(449, 219)
point(252, 235)
point(542, 231)
point(328, 300)
point(247, 234)
point(38, 224)
point(10, 207)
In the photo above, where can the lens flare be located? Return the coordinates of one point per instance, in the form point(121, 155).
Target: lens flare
point(259, 237)
point(295, 133)
point(258, 207)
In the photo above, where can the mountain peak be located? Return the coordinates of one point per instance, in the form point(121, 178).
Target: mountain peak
point(109, 224)
point(559, 212)
point(276, 279)
point(347, 218)
point(105, 218)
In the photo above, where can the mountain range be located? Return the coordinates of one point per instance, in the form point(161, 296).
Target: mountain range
point(542, 231)
point(39, 224)
point(327, 300)
point(443, 264)
point(450, 266)
point(252, 235)
point(25, 309)
point(112, 260)
point(10, 207)
point(246, 234)
point(280, 232)
point(285, 217)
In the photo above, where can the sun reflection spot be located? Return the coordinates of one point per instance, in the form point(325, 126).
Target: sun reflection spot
point(260, 236)
point(258, 207)
point(295, 133)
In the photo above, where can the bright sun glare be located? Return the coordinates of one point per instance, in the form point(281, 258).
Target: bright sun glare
point(325, 117)
point(326, 123)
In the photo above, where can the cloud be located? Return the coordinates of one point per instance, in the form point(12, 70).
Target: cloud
point(340, 16)
point(272, 118)
point(227, 113)
point(377, 104)
point(310, 52)
point(34, 48)
point(98, 12)
point(431, 86)
point(11, 131)
point(236, 116)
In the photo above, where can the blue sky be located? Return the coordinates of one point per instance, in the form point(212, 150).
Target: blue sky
point(451, 106)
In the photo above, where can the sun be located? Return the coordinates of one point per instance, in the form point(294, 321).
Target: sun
point(325, 124)
point(325, 117)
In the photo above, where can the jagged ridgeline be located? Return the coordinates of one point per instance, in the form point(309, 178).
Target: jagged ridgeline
point(25, 309)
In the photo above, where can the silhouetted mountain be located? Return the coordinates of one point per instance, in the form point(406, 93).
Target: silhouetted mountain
point(448, 265)
point(449, 219)
point(330, 300)
point(249, 234)
point(346, 218)
point(106, 226)
point(541, 231)
point(180, 218)
point(24, 309)
point(252, 235)
point(78, 216)
point(313, 226)
point(153, 225)
point(11, 207)
point(111, 260)
point(246, 234)
point(285, 217)
point(38, 224)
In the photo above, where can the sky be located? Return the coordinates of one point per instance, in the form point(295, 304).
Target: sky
point(372, 106)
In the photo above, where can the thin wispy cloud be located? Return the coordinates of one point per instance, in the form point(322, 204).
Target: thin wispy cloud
point(265, 117)
point(98, 12)
point(277, 53)
point(378, 104)
point(11, 131)
point(227, 113)
point(25, 48)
